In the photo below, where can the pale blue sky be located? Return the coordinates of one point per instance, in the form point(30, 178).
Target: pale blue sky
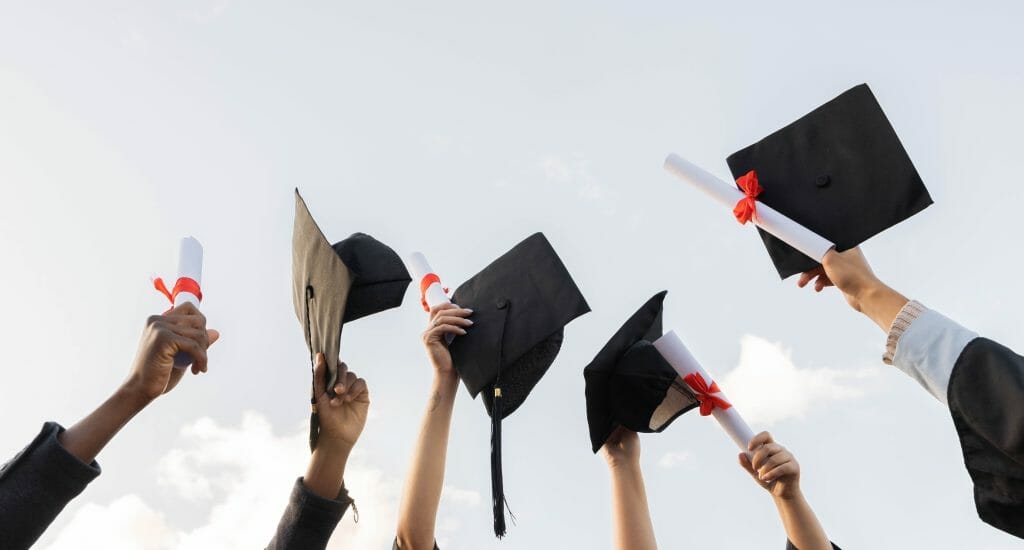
point(458, 128)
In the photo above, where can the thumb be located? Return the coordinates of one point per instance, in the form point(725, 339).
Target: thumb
point(746, 464)
point(212, 335)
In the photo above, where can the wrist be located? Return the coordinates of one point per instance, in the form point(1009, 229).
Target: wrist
point(131, 397)
point(623, 464)
point(789, 496)
point(332, 450)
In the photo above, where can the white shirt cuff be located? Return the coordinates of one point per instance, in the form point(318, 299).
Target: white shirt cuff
point(928, 349)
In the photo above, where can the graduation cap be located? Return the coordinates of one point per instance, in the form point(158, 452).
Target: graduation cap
point(630, 384)
point(521, 303)
point(332, 285)
point(839, 171)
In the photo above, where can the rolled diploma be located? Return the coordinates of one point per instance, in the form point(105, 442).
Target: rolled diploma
point(190, 264)
point(420, 268)
point(767, 218)
point(675, 352)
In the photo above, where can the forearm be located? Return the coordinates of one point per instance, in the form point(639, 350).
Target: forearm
point(91, 434)
point(802, 526)
point(326, 471)
point(881, 304)
point(422, 493)
point(631, 519)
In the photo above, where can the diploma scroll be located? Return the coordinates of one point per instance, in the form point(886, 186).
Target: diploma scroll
point(434, 293)
point(680, 358)
point(767, 218)
point(190, 266)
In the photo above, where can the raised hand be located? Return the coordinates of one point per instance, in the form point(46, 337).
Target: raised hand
point(183, 329)
point(343, 416)
point(850, 273)
point(772, 466)
point(621, 448)
point(445, 320)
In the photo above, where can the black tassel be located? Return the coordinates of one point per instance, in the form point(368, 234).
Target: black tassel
point(314, 430)
point(497, 483)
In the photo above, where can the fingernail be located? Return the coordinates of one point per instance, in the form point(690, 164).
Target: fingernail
point(470, 321)
point(469, 310)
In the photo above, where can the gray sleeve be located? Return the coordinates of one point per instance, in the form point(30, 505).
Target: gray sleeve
point(309, 520)
point(35, 486)
point(928, 348)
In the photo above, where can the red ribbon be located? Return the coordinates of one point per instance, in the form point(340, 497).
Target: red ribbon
point(183, 284)
point(428, 279)
point(746, 208)
point(709, 401)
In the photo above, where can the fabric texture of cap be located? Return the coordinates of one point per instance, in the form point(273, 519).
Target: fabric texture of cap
point(630, 384)
point(521, 303)
point(839, 171)
point(334, 284)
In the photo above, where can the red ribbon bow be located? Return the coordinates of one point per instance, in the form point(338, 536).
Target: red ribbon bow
point(183, 284)
point(707, 395)
point(428, 279)
point(746, 208)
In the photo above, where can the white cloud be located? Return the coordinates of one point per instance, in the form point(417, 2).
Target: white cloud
point(768, 387)
point(127, 523)
point(672, 459)
point(575, 171)
point(243, 475)
point(454, 495)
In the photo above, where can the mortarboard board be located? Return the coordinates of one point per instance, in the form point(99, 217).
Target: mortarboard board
point(521, 303)
point(332, 285)
point(630, 384)
point(839, 171)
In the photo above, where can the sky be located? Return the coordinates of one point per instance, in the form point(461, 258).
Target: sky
point(458, 129)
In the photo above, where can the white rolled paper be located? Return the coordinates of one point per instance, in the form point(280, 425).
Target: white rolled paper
point(420, 268)
point(767, 218)
point(190, 264)
point(675, 352)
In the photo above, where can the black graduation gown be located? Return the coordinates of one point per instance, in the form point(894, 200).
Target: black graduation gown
point(986, 400)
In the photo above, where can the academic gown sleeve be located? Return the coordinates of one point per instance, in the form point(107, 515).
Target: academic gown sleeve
point(36, 485)
point(982, 383)
point(309, 520)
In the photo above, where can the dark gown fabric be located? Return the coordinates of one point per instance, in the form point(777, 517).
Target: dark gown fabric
point(986, 400)
point(36, 485)
point(309, 520)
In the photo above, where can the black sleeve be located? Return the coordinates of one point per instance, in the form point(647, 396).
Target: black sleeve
point(36, 485)
point(394, 545)
point(789, 546)
point(986, 400)
point(309, 520)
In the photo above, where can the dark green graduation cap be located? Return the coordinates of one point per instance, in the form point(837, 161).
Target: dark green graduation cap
point(335, 284)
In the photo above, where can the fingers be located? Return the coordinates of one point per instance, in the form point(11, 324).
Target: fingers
point(350, 388)
point(341, 381)
point(788, 468)
point(443, 308)
point(745, 463)
point(764, 453)
point(437, 333)
point(453, 320)
point(760, 439)
point(212, 336)
point(192, 348)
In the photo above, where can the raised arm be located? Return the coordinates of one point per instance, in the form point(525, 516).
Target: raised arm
point(56, 467)
point(631, 519)
point(776, 470)
point(320, 499)
point(850, 273)
point(422, 493)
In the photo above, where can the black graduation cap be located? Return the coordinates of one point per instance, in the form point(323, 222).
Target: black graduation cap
point(332, 285)
point(521, 303)
point(630, 384)
point(839, 171)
